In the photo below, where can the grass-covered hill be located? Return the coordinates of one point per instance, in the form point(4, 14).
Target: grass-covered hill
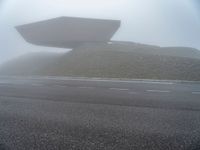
point(116, 60)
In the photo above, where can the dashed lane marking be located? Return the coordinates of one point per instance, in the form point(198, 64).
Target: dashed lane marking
point(86, 87)
point(118, 89)
point(158, 91)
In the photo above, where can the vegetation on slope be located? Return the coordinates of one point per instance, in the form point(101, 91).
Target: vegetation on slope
point(108, 61)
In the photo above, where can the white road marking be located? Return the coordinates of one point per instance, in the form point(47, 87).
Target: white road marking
point(61, 86)
point(86, 87)
point(113, 80)
point(158, 91)
point(196, 93)
point(118, 89)
point(124, 81)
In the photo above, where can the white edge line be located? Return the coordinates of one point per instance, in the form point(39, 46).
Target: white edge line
point(114, 80)
point(159, 91)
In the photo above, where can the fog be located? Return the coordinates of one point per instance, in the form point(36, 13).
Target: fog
point(157, 22)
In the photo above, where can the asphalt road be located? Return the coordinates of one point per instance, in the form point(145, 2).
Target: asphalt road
point(82, 114)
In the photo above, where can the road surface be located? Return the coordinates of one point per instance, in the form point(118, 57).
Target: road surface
point(43, 113)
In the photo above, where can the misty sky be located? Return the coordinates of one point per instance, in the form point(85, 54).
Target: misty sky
point(158, 22)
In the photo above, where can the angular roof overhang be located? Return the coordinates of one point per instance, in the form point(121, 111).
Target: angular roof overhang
point(68, 32)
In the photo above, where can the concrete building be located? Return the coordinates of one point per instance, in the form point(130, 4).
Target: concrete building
point(69, 32)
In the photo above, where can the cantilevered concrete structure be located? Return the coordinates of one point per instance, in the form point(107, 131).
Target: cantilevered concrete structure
point(69, 32)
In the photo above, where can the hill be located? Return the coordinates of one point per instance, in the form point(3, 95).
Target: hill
point(186, 52)
point(113, 60)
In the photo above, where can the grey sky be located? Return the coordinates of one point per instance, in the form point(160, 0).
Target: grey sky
point(159, 22)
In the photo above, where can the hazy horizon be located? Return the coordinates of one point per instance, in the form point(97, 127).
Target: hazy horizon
point(155, 22)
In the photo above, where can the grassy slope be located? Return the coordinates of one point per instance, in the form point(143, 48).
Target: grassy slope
point(110, 61)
